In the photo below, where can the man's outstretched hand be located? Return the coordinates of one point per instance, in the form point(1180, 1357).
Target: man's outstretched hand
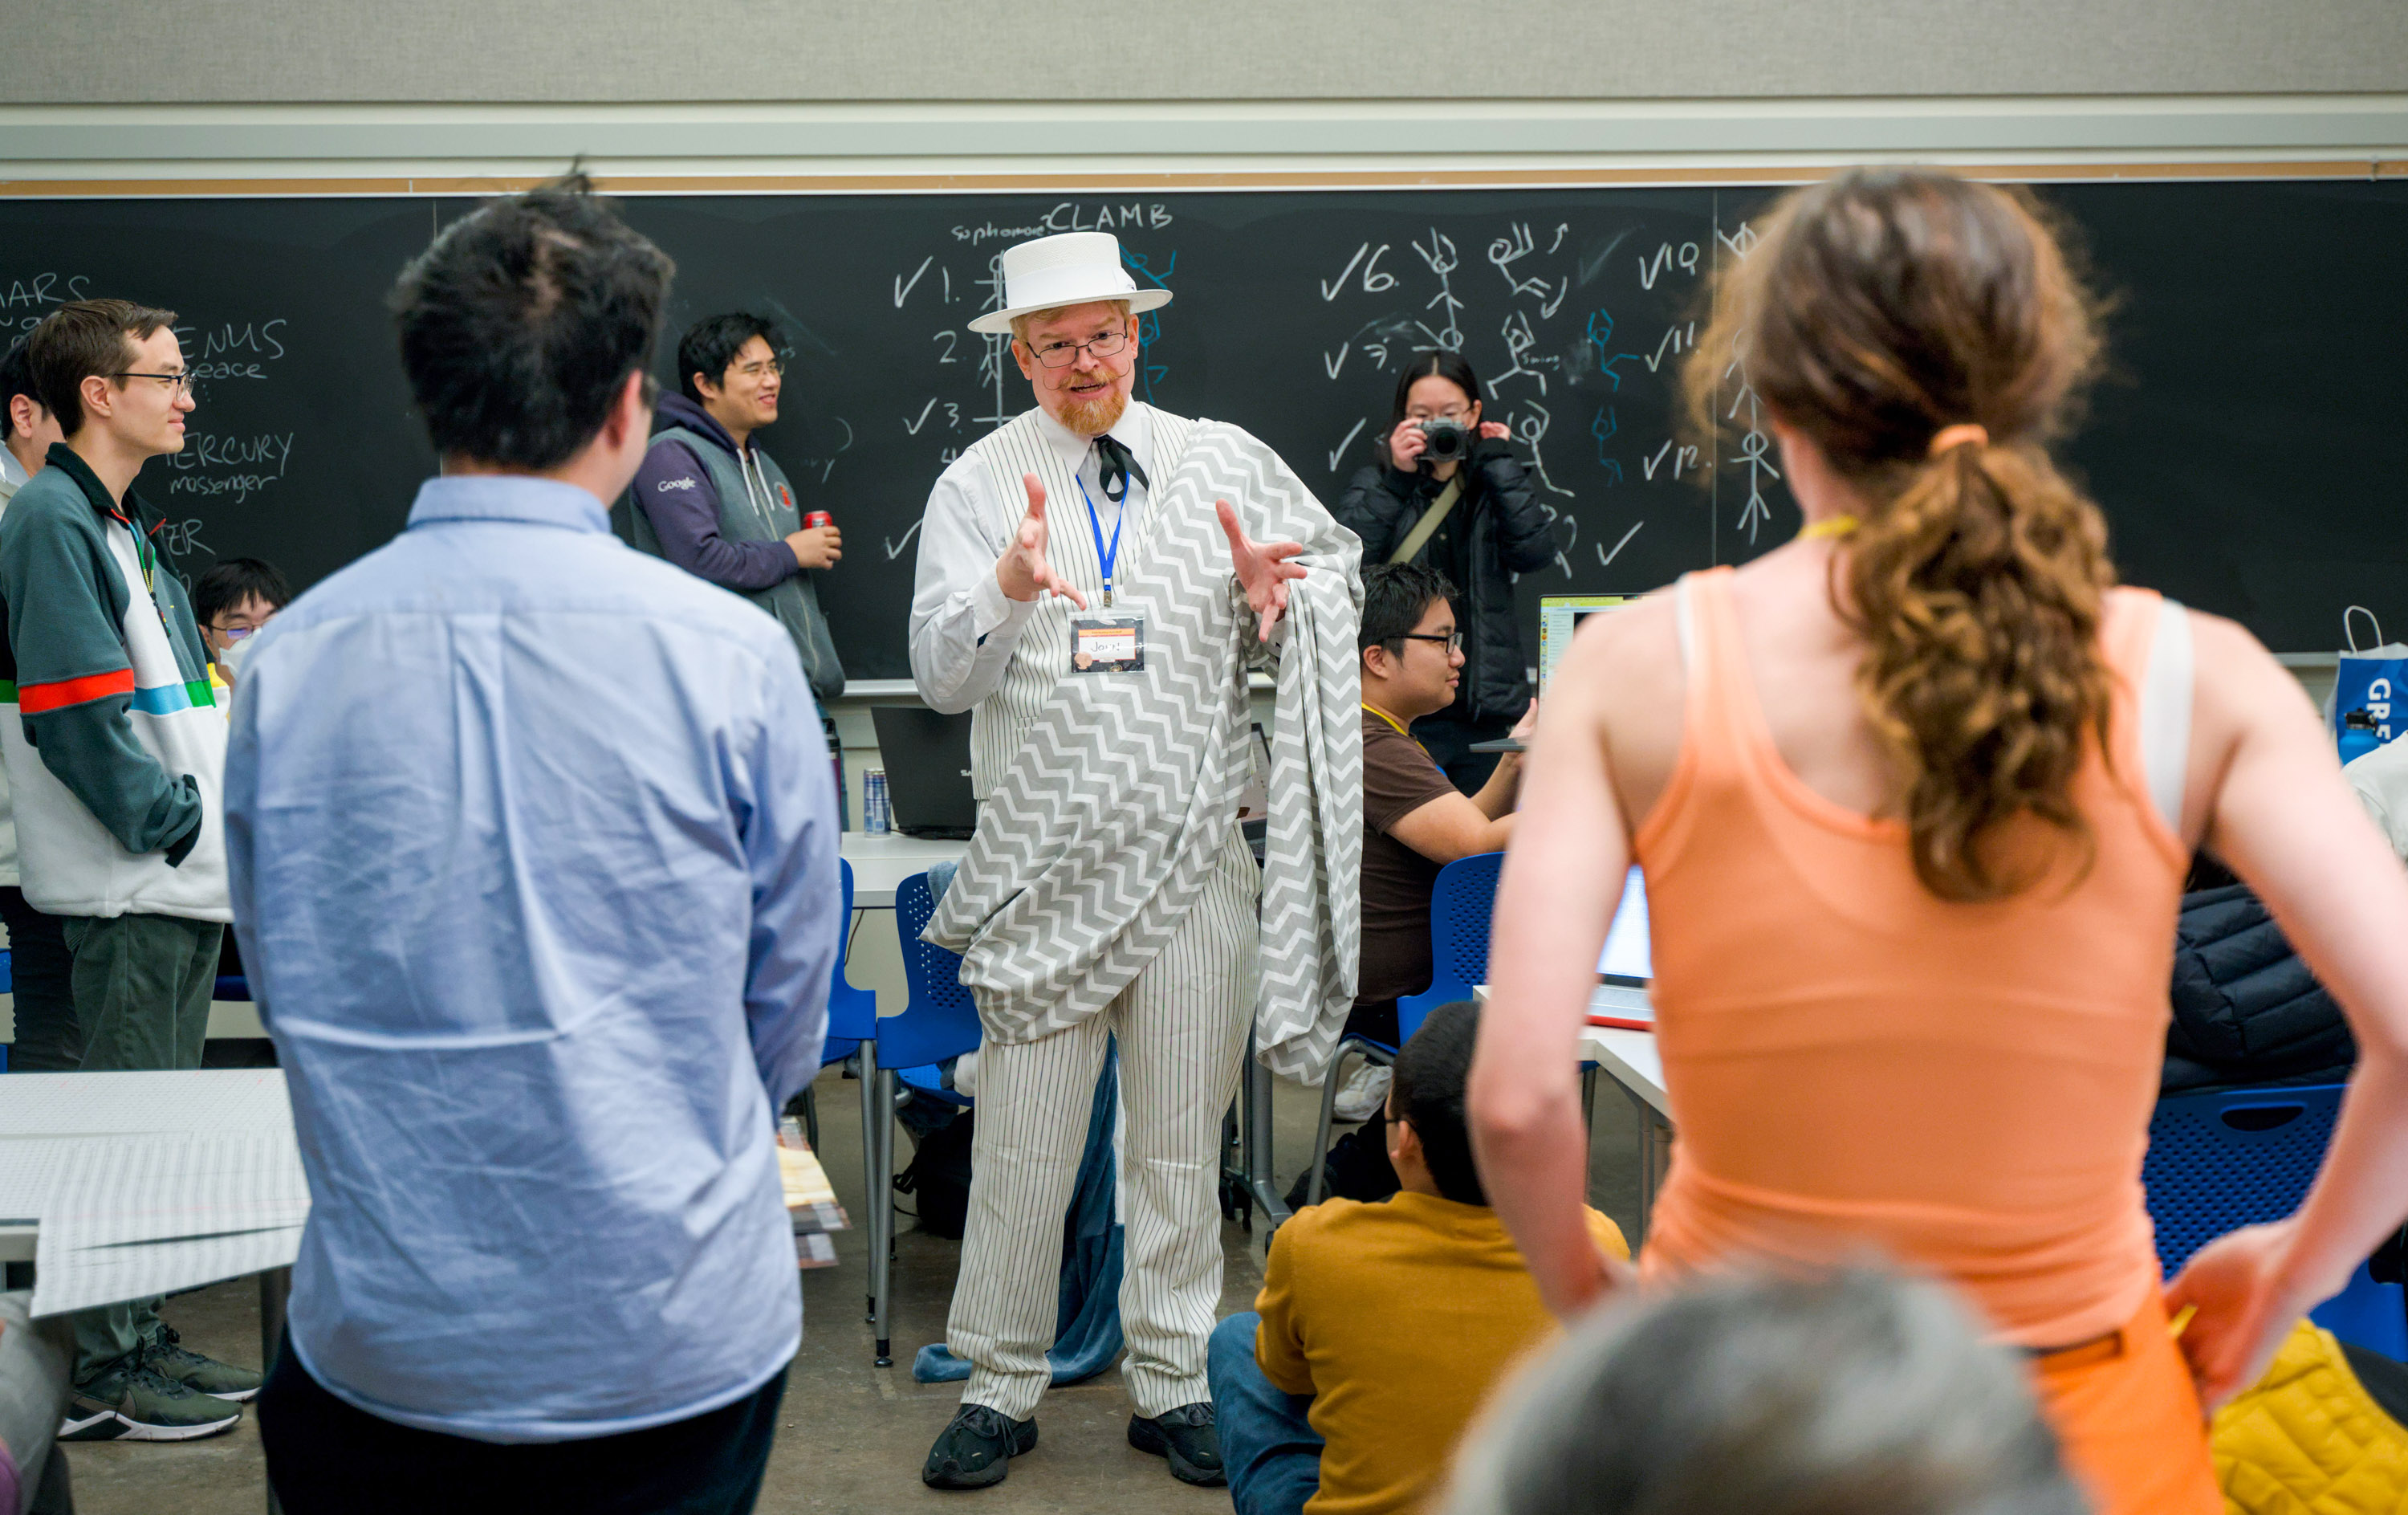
point(1023, 572)
point(1262, 569)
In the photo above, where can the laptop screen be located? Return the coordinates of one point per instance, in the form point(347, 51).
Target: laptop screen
point(1628, 952)
point(1559, 616)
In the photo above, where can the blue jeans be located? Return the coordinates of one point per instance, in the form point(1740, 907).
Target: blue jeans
point(1271, 1451)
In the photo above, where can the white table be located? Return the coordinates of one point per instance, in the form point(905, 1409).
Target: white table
point(882, 863)
point(40, 1110)
point(1633, 1061)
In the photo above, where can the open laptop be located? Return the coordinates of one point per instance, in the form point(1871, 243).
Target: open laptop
point(1559, 616)
point(927, 762)
point(1628, 964)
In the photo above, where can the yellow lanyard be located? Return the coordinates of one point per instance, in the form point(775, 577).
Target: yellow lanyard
point(1391, 720)
point(1836, 526)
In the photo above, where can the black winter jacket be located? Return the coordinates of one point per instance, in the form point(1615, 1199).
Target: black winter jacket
point(2246, 1008)
point(1503, 531)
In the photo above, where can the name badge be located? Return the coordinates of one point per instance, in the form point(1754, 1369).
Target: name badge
point(1107, 643)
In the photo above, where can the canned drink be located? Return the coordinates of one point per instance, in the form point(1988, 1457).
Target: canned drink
point(877, 813)
point(819, 518)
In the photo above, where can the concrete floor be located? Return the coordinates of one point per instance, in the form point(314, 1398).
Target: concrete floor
point(853, 1435)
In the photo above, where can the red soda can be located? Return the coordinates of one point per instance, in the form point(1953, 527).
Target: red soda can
point(818, 518)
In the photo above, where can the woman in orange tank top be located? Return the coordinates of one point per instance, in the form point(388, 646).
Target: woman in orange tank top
point(1914, 796)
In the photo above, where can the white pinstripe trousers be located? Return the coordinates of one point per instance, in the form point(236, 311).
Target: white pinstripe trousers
point(1182, 1026)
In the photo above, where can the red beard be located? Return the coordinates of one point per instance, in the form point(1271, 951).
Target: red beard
point(1092, 418)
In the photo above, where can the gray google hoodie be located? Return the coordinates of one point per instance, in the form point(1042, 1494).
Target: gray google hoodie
point(722, 514)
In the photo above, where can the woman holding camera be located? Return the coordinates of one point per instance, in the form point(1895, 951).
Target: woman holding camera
point(1451, 496)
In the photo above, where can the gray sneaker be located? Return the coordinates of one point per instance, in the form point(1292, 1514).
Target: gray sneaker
point(132, 1401)
point(170, 1359)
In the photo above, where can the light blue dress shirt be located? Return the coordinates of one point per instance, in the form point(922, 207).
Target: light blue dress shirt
point(533, 843)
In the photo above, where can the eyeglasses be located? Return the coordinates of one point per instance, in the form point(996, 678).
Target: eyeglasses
point(759, 370)
point(180, 383)
point(1062, 355)
point(1453, 639)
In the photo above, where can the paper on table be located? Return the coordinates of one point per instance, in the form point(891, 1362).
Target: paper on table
point(139, 1216)
point(99, 1104)
point(28, 1169)
point(810, 1199)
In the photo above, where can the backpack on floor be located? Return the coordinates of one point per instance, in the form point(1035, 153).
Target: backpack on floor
point(939, 1177)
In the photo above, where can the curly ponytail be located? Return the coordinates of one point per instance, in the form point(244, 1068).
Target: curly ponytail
point(1881, 308)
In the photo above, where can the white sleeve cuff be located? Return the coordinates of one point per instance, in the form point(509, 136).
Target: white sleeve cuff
point(991, 610)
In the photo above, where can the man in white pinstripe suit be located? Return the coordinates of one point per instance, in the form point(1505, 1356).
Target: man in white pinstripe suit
point(1019, 622)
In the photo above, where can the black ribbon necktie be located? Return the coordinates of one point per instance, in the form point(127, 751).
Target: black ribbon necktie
point(1115, 462)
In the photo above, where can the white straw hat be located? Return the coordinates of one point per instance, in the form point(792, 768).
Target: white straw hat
point(1070, 268)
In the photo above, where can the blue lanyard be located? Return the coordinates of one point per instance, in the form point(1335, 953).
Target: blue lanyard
point(1104, 555)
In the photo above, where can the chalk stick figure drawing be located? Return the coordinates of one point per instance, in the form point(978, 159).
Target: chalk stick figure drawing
point(1755, 446)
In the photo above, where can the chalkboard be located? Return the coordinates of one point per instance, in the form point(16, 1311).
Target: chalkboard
point(2243, 446)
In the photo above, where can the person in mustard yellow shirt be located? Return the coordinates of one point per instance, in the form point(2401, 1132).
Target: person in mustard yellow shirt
point(1381, 1328)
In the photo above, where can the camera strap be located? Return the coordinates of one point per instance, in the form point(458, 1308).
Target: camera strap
point(1431, 520)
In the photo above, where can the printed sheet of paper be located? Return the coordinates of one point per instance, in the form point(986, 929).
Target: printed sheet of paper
point(814, 1252)
point(810, 1199)
point(28, 1171)
point(104, 1105)
point(137, 1216)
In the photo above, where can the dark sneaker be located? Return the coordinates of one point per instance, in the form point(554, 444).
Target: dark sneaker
point(132, 1401)
point(1185, 1436)
point(977, 1449)
point(170, 1359)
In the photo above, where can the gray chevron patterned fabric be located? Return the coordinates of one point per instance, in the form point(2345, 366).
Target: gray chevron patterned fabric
point(1110, 818)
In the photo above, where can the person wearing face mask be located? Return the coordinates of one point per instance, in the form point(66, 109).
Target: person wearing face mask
point(235, 598)
point(711, 500)
point(1451, 495)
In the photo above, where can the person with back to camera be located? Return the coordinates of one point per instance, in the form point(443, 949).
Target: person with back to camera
point(1916, 796)
point(1446, 467)
point(1381, 1328)
point(1853, 1393)
point(542, 918)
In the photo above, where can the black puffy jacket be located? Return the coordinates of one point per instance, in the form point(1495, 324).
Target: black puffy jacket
point(1503, 531)
point(2246, 1008)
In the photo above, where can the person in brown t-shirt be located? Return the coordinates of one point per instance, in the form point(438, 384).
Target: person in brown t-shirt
point(1414, 821)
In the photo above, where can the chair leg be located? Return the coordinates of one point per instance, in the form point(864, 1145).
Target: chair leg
point(1321, 1137)
point(869, 1170)
point(882, 1260)
point(1589, 1095)
point(1269, 1201)
point(811, 1118)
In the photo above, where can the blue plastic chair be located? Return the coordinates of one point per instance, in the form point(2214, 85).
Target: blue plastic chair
point(938, 1022)
point(1461, 902)
point(851, 1016)
point(2217, 1163)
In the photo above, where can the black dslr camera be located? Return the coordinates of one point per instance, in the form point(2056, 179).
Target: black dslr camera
point(1443, 442)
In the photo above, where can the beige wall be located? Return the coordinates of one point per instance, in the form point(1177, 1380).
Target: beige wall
point(942, 51)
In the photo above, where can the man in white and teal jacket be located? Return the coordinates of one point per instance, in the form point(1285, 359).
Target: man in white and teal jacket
point(115, 757)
